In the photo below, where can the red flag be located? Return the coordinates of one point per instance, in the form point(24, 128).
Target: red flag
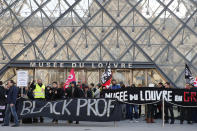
point(107, 83)
point(70, 78)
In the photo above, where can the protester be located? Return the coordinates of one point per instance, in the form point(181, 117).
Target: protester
point(57, 94)
point(159, 105)
point(2, 93)
point(150, 110)
point(74, 92)
point(194, 109)
point(39, 94)
point(134, 117)
point(95, 91)
point(87, 92)
point(28, 94)
point(122, 85)
point(114, 85)
point(2, 101)
point(168, 107)
point(150, 113)
point(160, 85)
point(11, 104)
point(57, 91)
point(99, 93)
point(140, 106)
point(48, 92)
point(80, 84)
point(128, 110)
point(91, 86)
point(186, 112)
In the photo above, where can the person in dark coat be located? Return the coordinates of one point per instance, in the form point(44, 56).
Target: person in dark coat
point(2, 101)
point(194, 109)
point(168, 107)
point(57, 91)
point(57, 94)
point(87, 92)
point(48, 93)
point(135, 108)
point(186, 112)
point(158, 114)
point(150, 110)
point(11, 104)
point(2, 94)
point(74, 92)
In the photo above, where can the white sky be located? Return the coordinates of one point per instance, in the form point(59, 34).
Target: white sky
point(83, 6)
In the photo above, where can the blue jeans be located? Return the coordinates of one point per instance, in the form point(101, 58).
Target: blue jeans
point(135, 108)
point(128, 111)
point(8, 111)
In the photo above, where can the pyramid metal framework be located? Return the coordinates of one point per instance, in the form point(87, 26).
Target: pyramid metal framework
point(160, 32)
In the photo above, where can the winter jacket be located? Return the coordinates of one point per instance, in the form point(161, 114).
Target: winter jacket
point(48, 93)
point(12, 95)
point(2, 95)
point(113, 87)
point(74, 92)
point(96, 93)
point(57, 93)
point(88, 94)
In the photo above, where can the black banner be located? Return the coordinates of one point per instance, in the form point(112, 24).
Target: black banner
point(148, 95)
point(100, 110)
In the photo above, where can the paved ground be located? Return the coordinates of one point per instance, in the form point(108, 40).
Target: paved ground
point(125, 125)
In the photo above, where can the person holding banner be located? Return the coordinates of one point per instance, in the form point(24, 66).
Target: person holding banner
point(48, 92)
point(186, 112)
point(2, 101)
point(169, 107)
point(135, 108)
point(57, 94)
point(150, 110)
point(74, 92)
point(39, 94)
point(11, 104)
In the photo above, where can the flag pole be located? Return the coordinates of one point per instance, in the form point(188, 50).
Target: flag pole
point(114, 123)
point(163, 123)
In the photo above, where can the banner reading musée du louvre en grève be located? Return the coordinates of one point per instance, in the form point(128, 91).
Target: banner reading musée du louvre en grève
point(148, 95)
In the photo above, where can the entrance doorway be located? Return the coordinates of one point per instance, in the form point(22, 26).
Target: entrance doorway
point(127, 76)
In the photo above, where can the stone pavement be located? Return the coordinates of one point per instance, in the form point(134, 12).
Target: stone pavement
point(124, 125)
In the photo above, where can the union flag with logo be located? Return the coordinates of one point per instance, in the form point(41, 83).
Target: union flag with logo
point(70, 78)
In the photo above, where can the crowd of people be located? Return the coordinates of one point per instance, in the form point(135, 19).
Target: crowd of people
point(55, 91)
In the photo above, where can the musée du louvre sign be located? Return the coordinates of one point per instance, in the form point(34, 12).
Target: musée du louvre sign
point(89, 64)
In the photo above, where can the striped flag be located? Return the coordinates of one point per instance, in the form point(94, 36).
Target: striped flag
point(107, 76)
point(188, 75)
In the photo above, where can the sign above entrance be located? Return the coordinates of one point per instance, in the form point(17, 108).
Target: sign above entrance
point(87, 64)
